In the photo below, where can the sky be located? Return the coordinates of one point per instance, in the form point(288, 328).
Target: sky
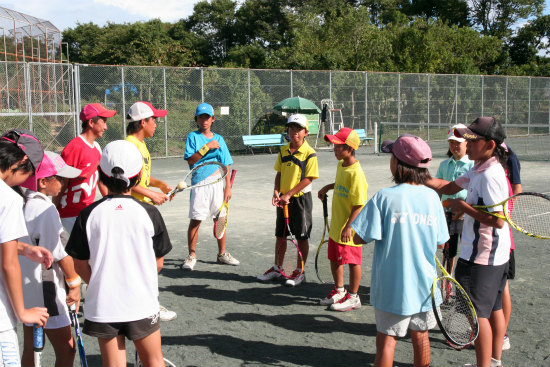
point(67, 13)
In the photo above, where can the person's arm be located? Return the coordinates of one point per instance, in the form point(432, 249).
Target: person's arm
point(227, 193)
point(358, 240)
point(102, 188)
point(443, 186)
point(285, 198)
point(460, 206)
point(517, 189)
point(83, 269)
point(11, 275)
point(158, 198)
point(72, 278)
point(276, 190)
point(323, 191)
point(37, 254)
point(160, 263)
point(347, 231)
point(212, 144)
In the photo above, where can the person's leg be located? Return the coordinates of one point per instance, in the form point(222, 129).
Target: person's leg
point(337, 274)
point(484, 343)
point(304, 247)
point(192, 236)
point(421, 348)
point(27, 359)
point(506, 304)
point(354, 277)
point(113, 351)
point(149, 350)
point(63, 345)
point(385, 348)
point(498, 327)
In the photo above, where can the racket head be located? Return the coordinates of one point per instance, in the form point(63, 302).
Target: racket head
point(220, 221)
point(289, 257)
point(454, 312)
point(529, 213)
point(322, 264)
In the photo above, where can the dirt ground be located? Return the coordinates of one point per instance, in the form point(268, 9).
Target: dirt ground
point(227, 318)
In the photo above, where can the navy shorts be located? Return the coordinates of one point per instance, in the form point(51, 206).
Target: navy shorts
point(484, 284)
point(512, 266)
point(299, 217)
point(133, 330)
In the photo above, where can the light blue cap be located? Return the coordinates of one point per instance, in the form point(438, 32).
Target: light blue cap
point(204, 108)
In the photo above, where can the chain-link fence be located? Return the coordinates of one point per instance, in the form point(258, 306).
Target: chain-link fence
point(48, 97)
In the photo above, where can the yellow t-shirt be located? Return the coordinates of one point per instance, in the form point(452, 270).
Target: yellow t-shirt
point(350, 189)
point(295, 167)
point(145, 170)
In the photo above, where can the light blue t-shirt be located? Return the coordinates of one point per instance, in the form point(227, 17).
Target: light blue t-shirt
point(407, 223)
point(450, 170)
point(195, 141)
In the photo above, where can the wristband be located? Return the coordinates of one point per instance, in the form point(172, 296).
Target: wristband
point(204, 150)
point(74, 282)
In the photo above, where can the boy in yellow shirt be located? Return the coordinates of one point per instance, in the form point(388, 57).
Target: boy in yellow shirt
point(350, 195)
point(296, 168)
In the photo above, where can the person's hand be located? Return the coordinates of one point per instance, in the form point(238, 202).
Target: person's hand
point(73, 295)
point(213, 144)
point(39, 255)
point(275, 199)
point(284, 200)
point(322, 193)
point(346, 234)
point(35, 315)
point(457, 206)
point(227, 194)
point(165, 188)
point(158, 198)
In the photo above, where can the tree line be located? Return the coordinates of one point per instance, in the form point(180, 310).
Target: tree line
point(410, 36)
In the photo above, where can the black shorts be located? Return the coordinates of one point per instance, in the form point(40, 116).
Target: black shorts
point(133, 330)
point(299, 217)
point(512, 266)
point(484, 284)
point(455, 228)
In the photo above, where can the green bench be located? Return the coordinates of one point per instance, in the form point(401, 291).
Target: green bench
point(363, 136)
point(267, 140)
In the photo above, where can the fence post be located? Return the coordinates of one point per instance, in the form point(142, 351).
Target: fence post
point(398, 103)
point(202, 85)
point(529, 109)
point(366, 105)
point(249, 117)
point(123, 100)
point(165, 117)
point(456, 99)
point(291, 84)
point(28, 94)
point(376, 137)
point(482, 96)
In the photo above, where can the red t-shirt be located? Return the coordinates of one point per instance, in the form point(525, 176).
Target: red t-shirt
point(80, 191)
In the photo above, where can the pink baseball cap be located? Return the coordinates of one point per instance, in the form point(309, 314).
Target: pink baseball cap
point(92, 110)
point(142, 110)
point(52, 165)
point(409, 149)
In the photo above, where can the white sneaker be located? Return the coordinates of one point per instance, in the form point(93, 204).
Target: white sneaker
point(226, 258)
point(347, 303)
point(295, 279)
point(333, 297)
point(166, 315)
point(189, 263)
point(494, 363)
point(506, 344)
point(271, 274)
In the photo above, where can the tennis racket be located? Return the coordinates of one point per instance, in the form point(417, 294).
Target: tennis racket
point(207, 173)
point(37, 344)
point(79, 342)
point(222, 215)
point(289, 257)
point(454, 312)
point(322, 263)
point(528, 213)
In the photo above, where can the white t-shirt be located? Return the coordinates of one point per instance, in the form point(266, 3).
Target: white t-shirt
point(12, 227)
point(486, 184)
point(121, 238)
point(41, 287)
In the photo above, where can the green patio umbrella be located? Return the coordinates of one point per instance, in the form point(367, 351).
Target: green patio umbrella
point(298, 105)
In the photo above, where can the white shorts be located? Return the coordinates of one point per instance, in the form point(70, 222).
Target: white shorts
point(68, 223)
point(206, 200)
point(397, 325)
point(9, 349)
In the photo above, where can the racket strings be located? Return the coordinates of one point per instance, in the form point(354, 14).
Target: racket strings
point(530, 213)
point(288, 258)
point(220, 225)
point(456, 312)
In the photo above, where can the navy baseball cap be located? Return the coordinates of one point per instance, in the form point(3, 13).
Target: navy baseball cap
point(28, 143)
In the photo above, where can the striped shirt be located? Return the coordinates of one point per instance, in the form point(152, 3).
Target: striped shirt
point(294, 167)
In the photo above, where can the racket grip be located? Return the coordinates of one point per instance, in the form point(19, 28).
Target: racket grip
point(285, 210)
point(37, 338)
point(233, 173)
point(325, 206)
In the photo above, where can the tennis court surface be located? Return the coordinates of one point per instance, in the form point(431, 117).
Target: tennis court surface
point(227, 318)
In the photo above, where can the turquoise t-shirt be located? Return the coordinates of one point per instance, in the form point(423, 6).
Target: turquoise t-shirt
point(450, 170)
point(195, 141)
point(407, 223)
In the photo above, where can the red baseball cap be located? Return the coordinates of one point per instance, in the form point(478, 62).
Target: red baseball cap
point(344, 136)
point(92, 110)
point(410, 150)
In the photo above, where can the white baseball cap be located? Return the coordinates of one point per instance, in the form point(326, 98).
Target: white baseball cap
point(298, 119)
point(142, 110)
point(451, 133)
point(124, 155)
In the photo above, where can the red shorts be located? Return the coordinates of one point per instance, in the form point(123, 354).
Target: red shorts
point(343, 254)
